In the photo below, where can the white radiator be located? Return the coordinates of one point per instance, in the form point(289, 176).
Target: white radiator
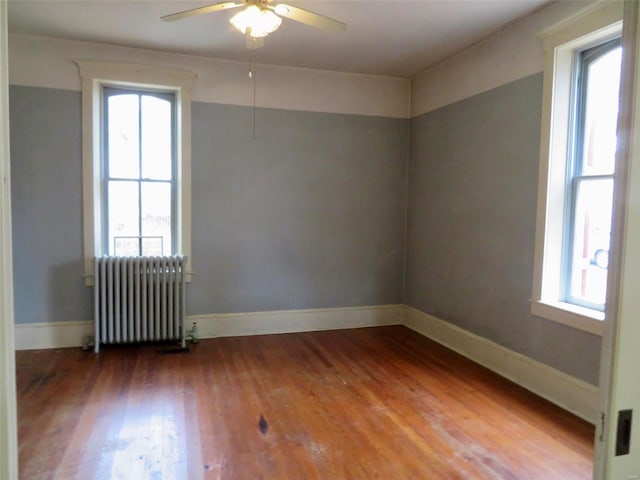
point(139, 299)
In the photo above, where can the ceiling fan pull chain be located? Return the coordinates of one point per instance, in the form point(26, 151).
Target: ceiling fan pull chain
point(252, 76)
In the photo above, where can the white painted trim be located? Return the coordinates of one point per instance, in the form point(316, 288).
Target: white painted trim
point(37, 336)
point(96, 74)
point(574, 316)
point(8, 407)
point(139, 74)
point(71, 334)
point(570, 393)
point(585, 22)
point(289, 321)
point(620, 355)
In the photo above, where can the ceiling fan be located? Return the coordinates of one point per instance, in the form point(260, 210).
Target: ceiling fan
point(260, 18)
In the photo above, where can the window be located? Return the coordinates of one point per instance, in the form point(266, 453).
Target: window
point(578, 143)
point(590, 185)
point(136, 161)
point(138, 171)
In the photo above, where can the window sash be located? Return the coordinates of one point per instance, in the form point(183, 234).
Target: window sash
point(107, 179)
point(575, 168)
point(572, 242)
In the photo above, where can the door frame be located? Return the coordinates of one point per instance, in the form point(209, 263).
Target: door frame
point(628, 157)
point(8, 406)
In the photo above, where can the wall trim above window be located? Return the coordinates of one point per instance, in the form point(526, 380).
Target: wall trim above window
point(595, 25)
point(94, 76)
point(594, 19)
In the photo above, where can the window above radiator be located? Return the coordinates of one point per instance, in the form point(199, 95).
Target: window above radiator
point(138, 171)
point(136, 161)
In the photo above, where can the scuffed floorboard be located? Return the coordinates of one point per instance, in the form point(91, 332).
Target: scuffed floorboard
point(351, 404)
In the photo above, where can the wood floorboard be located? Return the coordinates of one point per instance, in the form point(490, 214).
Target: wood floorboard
point(371, 403)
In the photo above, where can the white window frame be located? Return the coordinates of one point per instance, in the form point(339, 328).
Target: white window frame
point(593, 26)
point(94, 76)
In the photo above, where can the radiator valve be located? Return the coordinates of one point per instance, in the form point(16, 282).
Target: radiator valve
point(192, 334)
point(88, 342)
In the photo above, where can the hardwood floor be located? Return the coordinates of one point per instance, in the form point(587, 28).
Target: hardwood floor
point(375, 403)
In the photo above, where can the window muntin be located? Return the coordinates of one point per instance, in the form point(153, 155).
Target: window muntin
point(590, 176)
point(139, 171)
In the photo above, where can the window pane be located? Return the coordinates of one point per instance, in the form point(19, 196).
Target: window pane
point(123, 141)
point(601, 113)
point(156, 218)
point(156, 138)
point(592, 229)
point(123, 218)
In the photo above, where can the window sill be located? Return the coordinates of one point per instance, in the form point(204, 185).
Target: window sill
point(580, 318)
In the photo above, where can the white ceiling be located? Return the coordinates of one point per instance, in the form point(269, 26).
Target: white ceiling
point(392, 37)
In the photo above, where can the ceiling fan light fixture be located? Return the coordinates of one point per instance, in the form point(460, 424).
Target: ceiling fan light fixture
point(281, 9)
point(260, 23)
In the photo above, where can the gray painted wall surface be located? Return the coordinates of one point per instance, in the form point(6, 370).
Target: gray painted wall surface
point(310, 214)
point(473, 177)
point(46, 183)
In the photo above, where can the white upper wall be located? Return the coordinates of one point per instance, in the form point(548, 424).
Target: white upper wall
point(49, 62)
point(513, 53)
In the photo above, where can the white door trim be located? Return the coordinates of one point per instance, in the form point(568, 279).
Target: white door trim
point(8, 421)
point(622, 304)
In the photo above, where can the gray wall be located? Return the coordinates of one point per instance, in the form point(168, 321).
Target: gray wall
point(306, 214)
point(473, 177)
point(46, 184)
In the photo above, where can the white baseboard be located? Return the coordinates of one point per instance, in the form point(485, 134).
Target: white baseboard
point(570, 393)
point(290, 321)
point(30, 336)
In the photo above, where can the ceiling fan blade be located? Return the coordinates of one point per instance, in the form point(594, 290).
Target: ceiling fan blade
point(199, 11)
point(253, 43)
point(309, 18)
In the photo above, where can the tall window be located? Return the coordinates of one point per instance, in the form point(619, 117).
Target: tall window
point(577, 159)
point(591, 174)
point(136, 161)
point(138, 172)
